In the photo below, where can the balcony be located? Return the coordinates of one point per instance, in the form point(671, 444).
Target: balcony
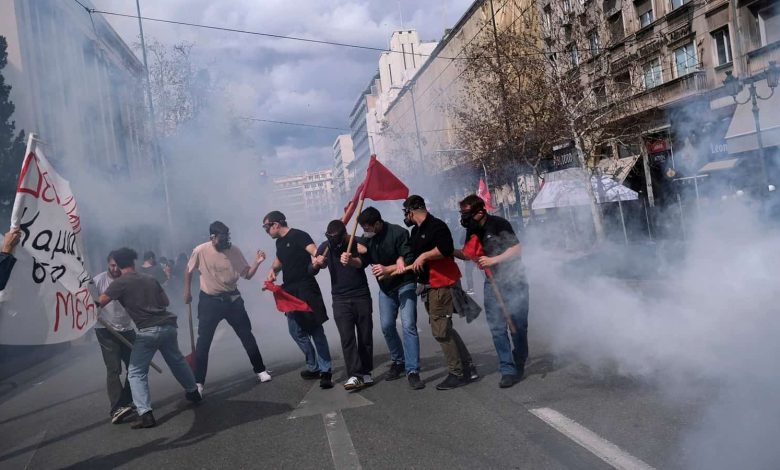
point(679, 89)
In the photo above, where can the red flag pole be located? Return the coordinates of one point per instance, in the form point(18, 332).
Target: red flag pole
point(501, 303)
point(354, 229)
point(191, 357)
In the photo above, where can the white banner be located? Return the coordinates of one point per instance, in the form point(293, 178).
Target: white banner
point(46, 300)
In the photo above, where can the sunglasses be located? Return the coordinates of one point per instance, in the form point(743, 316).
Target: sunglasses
point(268, 226)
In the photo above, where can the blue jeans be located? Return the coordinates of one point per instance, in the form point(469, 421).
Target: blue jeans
point(405, 300)
point(316, 360)
point(147, 342)
point(516, 299)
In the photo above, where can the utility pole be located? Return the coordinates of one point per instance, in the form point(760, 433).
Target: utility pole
point(417, 127)
point(507, 124)
point(156, 143)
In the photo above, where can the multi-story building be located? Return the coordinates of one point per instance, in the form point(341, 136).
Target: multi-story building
point(307, 196)
point(343, 155)
point(669, 58)
point(362, 136)
point(78, 86)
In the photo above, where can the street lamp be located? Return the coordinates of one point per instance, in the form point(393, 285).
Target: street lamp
point(484, 169)
point(735, 85)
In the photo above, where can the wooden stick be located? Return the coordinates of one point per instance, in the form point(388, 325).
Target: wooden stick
point(124, 340)
point(192, 332)
point(501, 303)
point(354, 229)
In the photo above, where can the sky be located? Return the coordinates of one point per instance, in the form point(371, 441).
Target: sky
point(285, 80)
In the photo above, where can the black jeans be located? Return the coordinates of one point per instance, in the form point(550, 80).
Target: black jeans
point(351, 315)
point(211, 311)
point(114, 354)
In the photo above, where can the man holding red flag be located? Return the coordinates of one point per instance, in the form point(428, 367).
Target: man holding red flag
point(433, 248)
point(493, 244)
point(295, 251)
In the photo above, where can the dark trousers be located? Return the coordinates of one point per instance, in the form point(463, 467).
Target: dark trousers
point(114, 354)
point(353, 315)
point(211, 311)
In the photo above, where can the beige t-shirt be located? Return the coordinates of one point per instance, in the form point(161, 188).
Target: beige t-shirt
point(219, 270)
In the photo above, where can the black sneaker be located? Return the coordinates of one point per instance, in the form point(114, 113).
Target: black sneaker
point(193, 396)
point(326, 380)
point(507, 381)
point(452, 381)
point(414, 381)
point(310, 374)
point(120, 414)
point(396, 371)
point(470, 373)
point(147, 421)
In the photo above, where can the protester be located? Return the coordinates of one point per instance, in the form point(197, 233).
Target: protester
point(144, 299)
point(221, 264)
point(115, 352)
point(150, 267)
point(351, 303)
point(295, 250)
point(503, 257)
point(388, 253)
point(437, 272)
point(7, 259)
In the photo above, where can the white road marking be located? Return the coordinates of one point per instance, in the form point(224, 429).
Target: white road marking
point(598, 446)
point(341, 448)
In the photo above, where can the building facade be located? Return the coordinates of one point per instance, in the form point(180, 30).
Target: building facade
point(343, 155)
point(310, 196)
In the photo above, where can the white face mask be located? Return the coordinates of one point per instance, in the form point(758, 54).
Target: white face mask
point(369, 234)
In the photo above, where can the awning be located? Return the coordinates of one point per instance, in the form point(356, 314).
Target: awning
point(719, 165)
point(741, 136)
point(617, 168)
point(567, 188)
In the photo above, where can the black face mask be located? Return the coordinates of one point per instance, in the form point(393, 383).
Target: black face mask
point(409, 222)
point(467, 221)
point(335, 241)
point(224, 242)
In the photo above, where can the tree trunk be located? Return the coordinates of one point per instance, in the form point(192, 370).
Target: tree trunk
point(595, 209)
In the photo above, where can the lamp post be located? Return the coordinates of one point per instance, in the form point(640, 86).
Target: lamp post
point(735, 85)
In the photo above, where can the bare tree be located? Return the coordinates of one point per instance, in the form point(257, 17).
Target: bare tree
point(564, 82)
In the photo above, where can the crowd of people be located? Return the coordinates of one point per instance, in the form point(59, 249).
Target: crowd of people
point(135, 320)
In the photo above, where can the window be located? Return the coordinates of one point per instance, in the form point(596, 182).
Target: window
point(616, 31)
point(722, 46)
point(644, 10)
point(600, 93)
point(769, 24)
point(678, 3)
point(652, 74)
point(595, 43)
point(574, 59)
point(567, 6)
point(685, 60)
point(547, 19)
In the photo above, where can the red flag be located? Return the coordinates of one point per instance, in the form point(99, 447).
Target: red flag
point(484, 193)
point(286, 302)
point(381, 184)
point(473, 249)
point(350, 209)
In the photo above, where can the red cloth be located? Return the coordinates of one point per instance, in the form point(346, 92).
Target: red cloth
point(352, 205)
point(484, 193)
point(381, 184)
point(473, 249)
point(286, 302)
point(443, 272)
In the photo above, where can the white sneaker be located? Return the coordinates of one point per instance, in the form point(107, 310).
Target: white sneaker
point(353, 383)
point(368, 379)
point(264, 376)
point(200, 389)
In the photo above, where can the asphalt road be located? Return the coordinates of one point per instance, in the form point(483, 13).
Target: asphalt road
point(563, 415)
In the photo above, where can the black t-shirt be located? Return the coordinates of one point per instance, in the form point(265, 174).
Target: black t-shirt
point(496, 236)
point(143, 299)
point(291, 251)
point(346, 281)
point(432, 233)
